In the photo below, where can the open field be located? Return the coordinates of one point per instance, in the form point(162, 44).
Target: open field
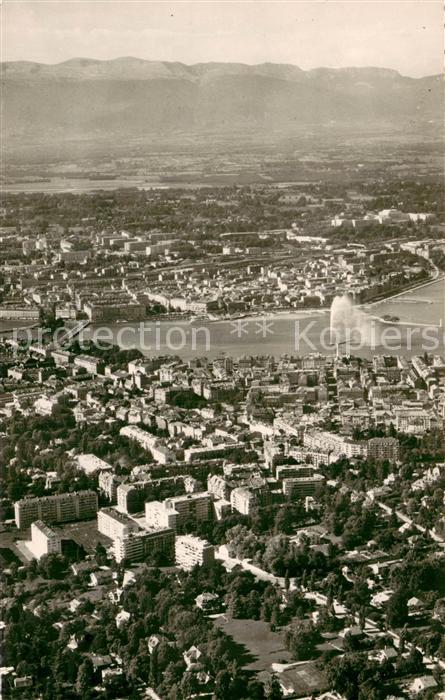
point(263, 646)
point(84, 533)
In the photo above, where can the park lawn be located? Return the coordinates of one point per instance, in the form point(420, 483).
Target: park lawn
point(263, 647)
point(84, 533)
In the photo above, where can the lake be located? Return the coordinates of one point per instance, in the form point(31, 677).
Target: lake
point(294, 333)
point(300, 332)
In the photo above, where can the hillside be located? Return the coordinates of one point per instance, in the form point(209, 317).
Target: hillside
point(128, 97)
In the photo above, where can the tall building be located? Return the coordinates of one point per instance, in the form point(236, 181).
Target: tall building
point(175, 512)
point(302, 486)
point(44, 540)
point(138, 545)
point(113, 524)
point(131, 497)
point(324, 441)
point(60, 508)
point(93, 365)
point(243, 500)
point(108, 484)
point(191, 551)
point(381, 449)
point(285, 471)
point(218, 486)
point(147, 441)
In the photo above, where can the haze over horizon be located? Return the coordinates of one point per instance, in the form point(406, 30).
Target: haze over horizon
point(116, 59)
point(404, 36)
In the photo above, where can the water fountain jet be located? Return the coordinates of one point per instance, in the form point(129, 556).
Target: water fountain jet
point(348, 323)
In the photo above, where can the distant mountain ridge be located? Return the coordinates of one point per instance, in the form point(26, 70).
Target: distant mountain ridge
point(131, 68)
point(129, 96)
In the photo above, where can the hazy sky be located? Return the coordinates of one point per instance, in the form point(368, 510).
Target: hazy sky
point(405, 35)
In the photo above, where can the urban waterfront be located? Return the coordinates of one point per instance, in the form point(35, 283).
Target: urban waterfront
point(287, 333)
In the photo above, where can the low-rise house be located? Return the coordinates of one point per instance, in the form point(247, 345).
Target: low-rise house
point(122, 618)
point(192, 656)
point(382, 655)
point(208, 602)
point(98, 578)
point(421, 684)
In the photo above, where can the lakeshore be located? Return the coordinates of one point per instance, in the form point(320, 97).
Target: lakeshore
point(288, 333)
point(279, 333)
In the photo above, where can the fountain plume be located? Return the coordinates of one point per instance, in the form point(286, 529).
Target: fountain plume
point(348, 323)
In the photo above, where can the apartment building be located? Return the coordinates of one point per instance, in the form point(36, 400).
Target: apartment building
point(61, 357)
point(300, 487)
point(136, 546)
point(114, 524)
point(381, 449)
point(218, 486)
point(324, 441)
point(243, 500)
point(60, 508)
point(131, 497)
point(114, 308)
point(93, 365)
point(108, 484)
point(315, 459)
point(158, 514)
point(175, 512)
point(194, 454)
point(45, 405)
point(288, 471)
point(415, 421)
point(193, 551)
point(149, 442)
point(21, 312)
point(44, 540)
point(89, 463)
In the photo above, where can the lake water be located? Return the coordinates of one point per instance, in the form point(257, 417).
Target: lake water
point(294, 333)
point(58, 185)
point(289, 333)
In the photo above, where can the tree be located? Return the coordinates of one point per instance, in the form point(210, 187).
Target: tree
point(222, 685)
point(100, 554)
point(85, 678)
point(343, 674)
point(397, 609)
point(52, 566)
point(272, 689)
point(255, 690)
point(301, 640)
point(287, 581)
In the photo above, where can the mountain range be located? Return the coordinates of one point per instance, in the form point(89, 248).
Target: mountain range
point(127, 97)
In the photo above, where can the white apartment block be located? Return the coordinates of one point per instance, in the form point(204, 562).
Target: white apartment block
point(192, 551)
point(158, 514)
point(193, 454)
point(108, 484)
point(45, 405)
point(324, 441)
point(147, 441)
point(381, 449)
point(218, 486)
point(60, 508)
point(174, 512)
point(93, 365)
point(243, 500)
point(302, 486)
point(44, 540)
point(414, 421)
point(138, 545)
point(113, 524)
point(89, 463)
